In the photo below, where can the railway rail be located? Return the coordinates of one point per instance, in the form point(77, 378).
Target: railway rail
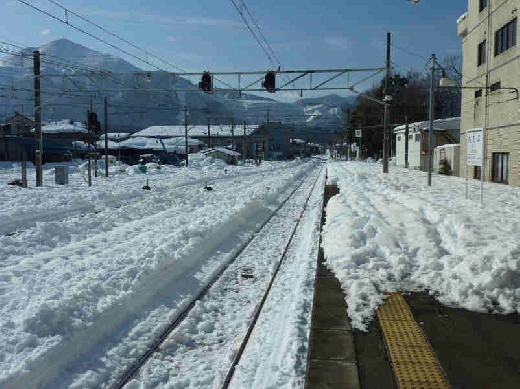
point(132, 370)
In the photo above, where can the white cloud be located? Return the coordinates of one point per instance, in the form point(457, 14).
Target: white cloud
point(45, 32)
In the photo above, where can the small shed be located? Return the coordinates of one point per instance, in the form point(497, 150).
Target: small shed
point(229, 156)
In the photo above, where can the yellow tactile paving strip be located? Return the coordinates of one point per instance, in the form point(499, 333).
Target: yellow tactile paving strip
point(414, 364)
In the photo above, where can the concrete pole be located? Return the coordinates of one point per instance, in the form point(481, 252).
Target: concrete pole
point(106, 139)
point(406, 133)
point(89, 164)
point(430, 132)
point(186, 133)
point(38, 119)
point(386, 145)
point(244, 145)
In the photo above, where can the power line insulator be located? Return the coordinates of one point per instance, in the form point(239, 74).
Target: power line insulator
point(205, 83)
point(269, 82)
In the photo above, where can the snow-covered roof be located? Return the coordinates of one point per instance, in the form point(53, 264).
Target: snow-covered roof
point(111, 144)
point(63, 126)
point(448, 146)
point(115, 135)
point(298, 141)
point(171, 144)
point(202, 130)
point(438, 125)
point(222, 150)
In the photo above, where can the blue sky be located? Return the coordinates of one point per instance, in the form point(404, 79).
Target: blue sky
point(210, 35)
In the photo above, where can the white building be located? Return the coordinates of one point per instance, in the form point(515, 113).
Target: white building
point(446, 131)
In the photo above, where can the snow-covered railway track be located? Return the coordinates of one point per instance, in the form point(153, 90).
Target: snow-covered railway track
point(221, 281)
point(22, 223)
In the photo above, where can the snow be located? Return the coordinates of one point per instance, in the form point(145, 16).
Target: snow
point(391, 232)
point(462, 17)
point(177, 144)
point(180, 130)
point(448, 146)
point(438, 124)
point(222, 150)
point(88, 276)
point(115, 135)
point(63, 126)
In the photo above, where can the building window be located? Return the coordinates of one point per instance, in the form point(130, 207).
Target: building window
point(478, 93)
point(495, 86)
point(481, 59)
point(482, 5)
point(500, 167)
point(417, 137)
point(505, 38)
point(410, 137)
point(476, 172)
point(399, 138)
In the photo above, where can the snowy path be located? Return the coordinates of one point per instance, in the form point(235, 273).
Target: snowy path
point(199, 352)
point(72, 303)
point(390, 232)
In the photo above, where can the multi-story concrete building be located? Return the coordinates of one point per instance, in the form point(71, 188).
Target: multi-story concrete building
point(491, 57)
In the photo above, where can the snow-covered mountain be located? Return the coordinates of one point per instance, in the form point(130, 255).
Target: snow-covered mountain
point(69, 98)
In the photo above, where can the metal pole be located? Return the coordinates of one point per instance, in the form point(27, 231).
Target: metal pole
point(186, 134)
point(38, 119)
point(244, 145)
point(232, 134)
point(89, 163)
point(406, 133)
point(24, 169)
point(106, 139)
point(209, 133)
point(486, 108)
point(430, 132)
point(386, 151)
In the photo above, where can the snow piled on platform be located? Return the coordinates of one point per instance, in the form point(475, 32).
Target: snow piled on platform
point(388, 232)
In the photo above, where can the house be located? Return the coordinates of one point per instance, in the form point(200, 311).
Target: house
point(446, 131)
point(234, 137)
point(490, 52)
point(229, 156)
point(21, 124)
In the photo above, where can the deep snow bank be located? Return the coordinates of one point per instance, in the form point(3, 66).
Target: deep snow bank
point(391, 232)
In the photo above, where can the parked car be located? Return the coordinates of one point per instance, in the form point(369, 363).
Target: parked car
point(149, 158)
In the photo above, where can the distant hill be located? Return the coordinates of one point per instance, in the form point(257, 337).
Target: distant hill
point(69, 98)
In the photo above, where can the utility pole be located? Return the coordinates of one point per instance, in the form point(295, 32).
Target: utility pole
point(89, 163)
point(430, 132)
point(106, 139)
point(186, 133)
point(209, 133)
point(267, 115)
point(244, 145)
point(386, 151)
point(232, 134)
point(406, 133)
point(38, 119)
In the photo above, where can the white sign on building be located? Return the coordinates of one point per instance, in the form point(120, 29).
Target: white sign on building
point(474, 147)
point(358, 133)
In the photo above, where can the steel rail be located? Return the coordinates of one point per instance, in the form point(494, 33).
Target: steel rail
point(245, 340)
point(132, 370)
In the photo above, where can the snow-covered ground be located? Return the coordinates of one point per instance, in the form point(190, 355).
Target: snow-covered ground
point(88, 276)
point(388, 232)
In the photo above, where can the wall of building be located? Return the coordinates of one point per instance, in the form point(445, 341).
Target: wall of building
point(503, 126)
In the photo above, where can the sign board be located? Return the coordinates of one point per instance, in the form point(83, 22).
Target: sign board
point(358, 133)
point(474, 147)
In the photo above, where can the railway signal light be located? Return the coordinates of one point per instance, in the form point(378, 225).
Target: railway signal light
point(269, 82)
point(205, 83)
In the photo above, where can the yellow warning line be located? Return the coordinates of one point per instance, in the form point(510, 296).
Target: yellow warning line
point(415, 366)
